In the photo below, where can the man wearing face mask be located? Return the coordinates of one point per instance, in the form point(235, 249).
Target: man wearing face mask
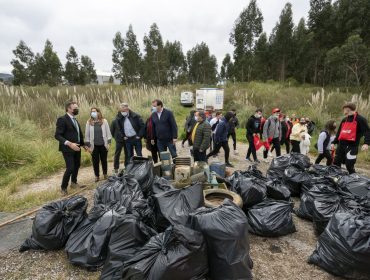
point(165, 128)
point(201, 136)
point(272, 132)
point(133, 130)
point(352, 128)
point(118, 135)
point(69, 134)
point(253, 129)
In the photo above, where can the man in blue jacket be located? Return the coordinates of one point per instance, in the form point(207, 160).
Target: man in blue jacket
point(165, 128)
point(220, 138)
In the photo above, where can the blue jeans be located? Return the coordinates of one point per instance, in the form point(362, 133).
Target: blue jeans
point(132, 143)
point(164, 144)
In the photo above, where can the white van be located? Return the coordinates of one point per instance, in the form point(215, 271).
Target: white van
point(187, 98)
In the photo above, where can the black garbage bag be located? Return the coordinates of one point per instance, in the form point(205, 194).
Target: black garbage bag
point(160, 185)
point(173, 207)
point(294, 178)
point(318, 181)
point(251, 190)
point(279, 164)
point(357, 185)
point(178, 253)
point(225, 229)
point(277, 190)
point(126, 239)
point(277, 167)
point(271, 218)
point(343, 248)
point(142, 170)
point(330, 171)
point(123, 189)
point(54, 223)
point(299, 160)
point(144, 209)
point(87, 246)
point(326, 205)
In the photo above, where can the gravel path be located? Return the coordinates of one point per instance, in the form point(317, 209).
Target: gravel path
point(283, 258)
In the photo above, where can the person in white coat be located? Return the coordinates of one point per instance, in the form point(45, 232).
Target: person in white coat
point(98, 138)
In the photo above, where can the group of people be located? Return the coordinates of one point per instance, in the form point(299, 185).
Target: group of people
point(203, 131)
point(280, 130)
point(128, 129)
point(211, 131)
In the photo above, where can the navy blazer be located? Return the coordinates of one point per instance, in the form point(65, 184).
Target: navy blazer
point(66, 131)
point(165, 128)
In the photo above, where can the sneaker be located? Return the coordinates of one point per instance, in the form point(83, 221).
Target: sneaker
point(228, 164)
point(257, 161)
point(64, 192)
point(248, 159)
point(266, 160)
point(270, 154)
point(105, 176)
point(96, 179)
point(115, 172)
point(236, 152)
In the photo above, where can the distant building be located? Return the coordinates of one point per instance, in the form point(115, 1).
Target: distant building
point(106, 78)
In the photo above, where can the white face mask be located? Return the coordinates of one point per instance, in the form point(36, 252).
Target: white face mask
point(154, 109)
point(288, 119)
point(94, 115)
point(124, 114)
point(257, 116)
point(196, 118)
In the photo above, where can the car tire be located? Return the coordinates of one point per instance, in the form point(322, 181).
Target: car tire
point(215, 197)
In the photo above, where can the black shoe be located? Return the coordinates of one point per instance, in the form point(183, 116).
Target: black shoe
point(64, 192)
point(228, 164)
point(257, 161)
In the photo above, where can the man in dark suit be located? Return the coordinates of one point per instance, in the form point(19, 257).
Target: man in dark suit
point(69, 134)
point(165, 128)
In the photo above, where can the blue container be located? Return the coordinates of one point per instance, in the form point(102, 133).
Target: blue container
point(219, 168)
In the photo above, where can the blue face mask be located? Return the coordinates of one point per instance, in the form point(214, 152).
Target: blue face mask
point(94, 115)
point(154, 109)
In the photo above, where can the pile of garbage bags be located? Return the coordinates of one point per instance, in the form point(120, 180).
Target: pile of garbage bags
point(338, 204)
point(142, 227)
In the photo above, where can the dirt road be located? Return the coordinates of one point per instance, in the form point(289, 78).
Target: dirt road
point(283, 258)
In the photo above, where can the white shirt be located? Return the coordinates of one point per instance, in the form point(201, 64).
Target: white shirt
point(159, 114)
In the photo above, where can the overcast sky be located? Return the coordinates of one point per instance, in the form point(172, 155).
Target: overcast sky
point(89, 25)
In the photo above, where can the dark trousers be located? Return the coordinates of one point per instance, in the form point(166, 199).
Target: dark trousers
point(73, 162)
point(275, 142)
point(154, 151)
point(233, 136)
point(295, 146)
point(164, 144)
point(326, 154)
point(342, 154)
point(199, 156)
point(131, 144)
point(117, 153)
point(216, 150)
point(100, 154)
point(251, 148)
point(285, 142)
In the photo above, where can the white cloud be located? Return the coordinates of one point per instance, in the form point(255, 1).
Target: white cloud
point(90, 25)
